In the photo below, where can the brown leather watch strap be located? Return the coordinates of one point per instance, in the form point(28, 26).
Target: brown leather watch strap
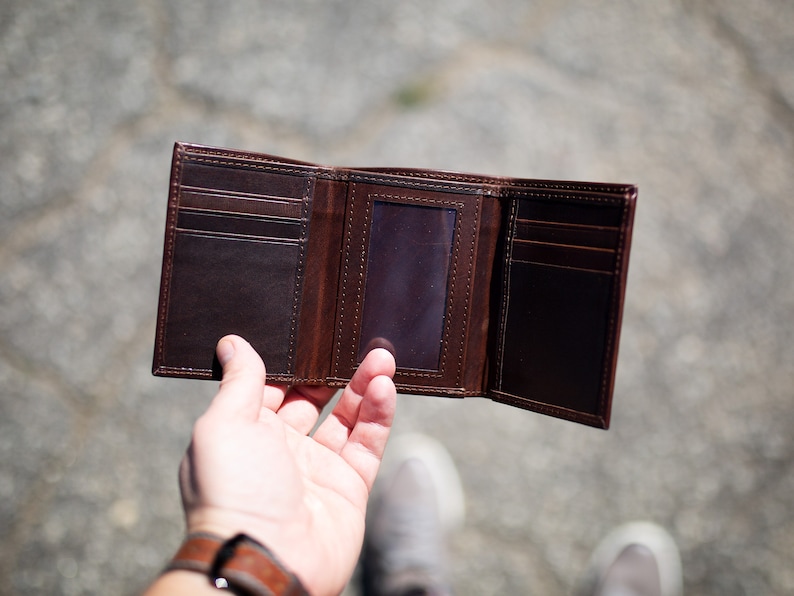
point(240, 563)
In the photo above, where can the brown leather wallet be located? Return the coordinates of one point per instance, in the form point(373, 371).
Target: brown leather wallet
point(505, 288)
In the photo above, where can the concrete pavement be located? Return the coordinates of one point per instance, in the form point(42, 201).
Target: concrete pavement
point(694, 102)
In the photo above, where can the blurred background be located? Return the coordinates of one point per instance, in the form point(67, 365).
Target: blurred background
point(693, 101)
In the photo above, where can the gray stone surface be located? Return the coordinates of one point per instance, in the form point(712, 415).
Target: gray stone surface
point(692, 101)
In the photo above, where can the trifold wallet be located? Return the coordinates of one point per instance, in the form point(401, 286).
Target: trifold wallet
point(503, 288)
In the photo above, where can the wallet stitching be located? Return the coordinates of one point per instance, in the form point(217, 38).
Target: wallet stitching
point(619, 201)
point(361, 271)
point(614, 307)
point(308, 170)
point(505, 289)
point(502, 182)
point(445, 341)
point(449, 176)
point(548, 409)
point(345, 276)
point(575, 187)
point(468, 290)
point(299, 274)
point(186, 370)
point(173, 208)
point(258, 165)
point(413, 183)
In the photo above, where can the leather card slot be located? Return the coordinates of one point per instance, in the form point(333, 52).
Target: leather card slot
point(559, 255)
point(239, 225)
point(593, 212)
point(555, 336)
point(568, 234)
point(254, 179)
point(221, 286)
point(262, 205)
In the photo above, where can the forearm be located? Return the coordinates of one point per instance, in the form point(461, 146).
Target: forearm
point(179, 583)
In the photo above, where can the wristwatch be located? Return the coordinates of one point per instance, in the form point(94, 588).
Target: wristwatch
point(240, 564)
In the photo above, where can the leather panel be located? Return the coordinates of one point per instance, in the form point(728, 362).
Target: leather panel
point(238, 225)
point(201, 285)
point(233, 262)
point(556, 341)
point(320, 292)
point(409, 203)
point(224, 174)
point(564, 263)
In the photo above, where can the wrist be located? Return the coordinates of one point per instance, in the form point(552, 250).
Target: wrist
point(240, 563)
point(226, 523)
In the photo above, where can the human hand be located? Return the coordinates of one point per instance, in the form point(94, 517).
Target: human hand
point(251, 466)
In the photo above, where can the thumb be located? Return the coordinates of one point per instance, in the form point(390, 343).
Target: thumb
point(243, 382)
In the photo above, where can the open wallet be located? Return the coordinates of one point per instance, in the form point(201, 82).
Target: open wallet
point(505, 288)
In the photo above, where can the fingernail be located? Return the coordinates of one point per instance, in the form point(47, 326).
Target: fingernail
point(225, 351)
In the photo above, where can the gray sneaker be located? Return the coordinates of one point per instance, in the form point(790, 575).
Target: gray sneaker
point(404, 547)
point(637, 559)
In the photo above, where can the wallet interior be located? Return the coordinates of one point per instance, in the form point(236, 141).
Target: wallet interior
point(510, 289)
